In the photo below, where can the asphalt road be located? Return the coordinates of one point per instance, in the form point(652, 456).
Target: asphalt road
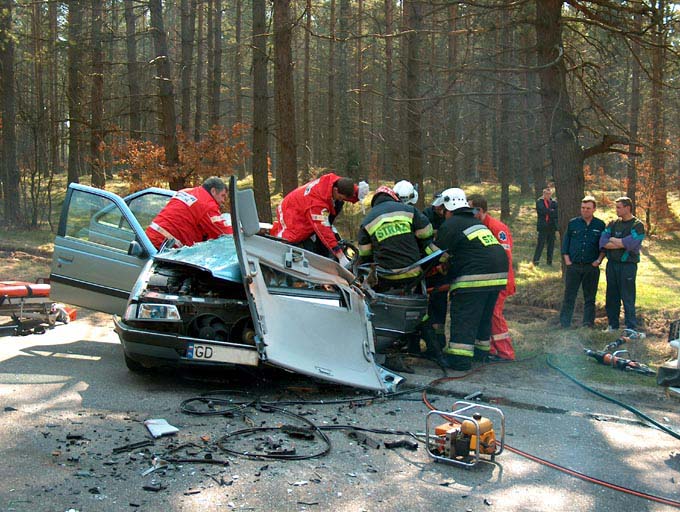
point(67, 401)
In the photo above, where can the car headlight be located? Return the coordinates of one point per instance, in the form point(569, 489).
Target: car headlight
point(156, 312)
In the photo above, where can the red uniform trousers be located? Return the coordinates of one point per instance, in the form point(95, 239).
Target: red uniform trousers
point(501, 341)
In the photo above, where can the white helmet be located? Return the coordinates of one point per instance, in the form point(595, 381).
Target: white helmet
point(453, 199)
point(406, 191)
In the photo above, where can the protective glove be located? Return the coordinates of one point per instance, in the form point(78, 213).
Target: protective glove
point(342, 259)
point(363, 190)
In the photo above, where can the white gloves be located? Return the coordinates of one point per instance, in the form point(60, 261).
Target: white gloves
point(342, 259)
point(363, 190)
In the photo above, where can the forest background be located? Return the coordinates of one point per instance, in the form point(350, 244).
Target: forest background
point(502, 96)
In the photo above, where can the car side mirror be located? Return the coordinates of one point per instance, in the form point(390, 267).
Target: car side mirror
point(135, 249)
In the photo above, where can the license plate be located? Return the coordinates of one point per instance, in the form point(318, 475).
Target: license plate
point(222, 354)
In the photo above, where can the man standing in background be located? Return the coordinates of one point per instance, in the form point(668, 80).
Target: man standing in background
point(582, 257)
point(622, 239)
point(546, 225)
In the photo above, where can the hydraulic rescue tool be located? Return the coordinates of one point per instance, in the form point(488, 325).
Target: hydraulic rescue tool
point(465, 436)
point(615, 359)
point(621, 363)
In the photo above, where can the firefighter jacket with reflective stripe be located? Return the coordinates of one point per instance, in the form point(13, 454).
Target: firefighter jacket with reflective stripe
point(191, 216)
point(477, 261)
point(394, 235)
point(504, 237)
point(306, 210)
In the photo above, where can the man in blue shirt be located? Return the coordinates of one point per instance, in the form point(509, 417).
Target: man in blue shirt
point(582, 257)
point(622, 240)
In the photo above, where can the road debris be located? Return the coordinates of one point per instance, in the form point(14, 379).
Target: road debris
point(409, 444)
point(363, 439)
point(159, 427)
point(132, 446)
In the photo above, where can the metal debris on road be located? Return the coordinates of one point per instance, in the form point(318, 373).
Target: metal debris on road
point(132, 446)
point(363, 439)
point(402, 443)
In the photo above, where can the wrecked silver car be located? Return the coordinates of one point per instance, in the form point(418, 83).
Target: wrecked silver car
point(242, 300)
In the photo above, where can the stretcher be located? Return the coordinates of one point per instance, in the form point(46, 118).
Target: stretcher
point(29, 306)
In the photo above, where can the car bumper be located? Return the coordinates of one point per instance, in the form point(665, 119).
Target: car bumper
point(151, 348)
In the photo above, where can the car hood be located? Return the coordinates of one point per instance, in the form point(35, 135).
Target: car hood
point(217, 256)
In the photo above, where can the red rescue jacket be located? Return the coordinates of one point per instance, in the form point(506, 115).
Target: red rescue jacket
point(504, 237)
point(305, 211)
point(191, 216)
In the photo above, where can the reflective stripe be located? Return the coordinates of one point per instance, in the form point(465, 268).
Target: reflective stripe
point(372, 226)
point(365, 249)
point(425, 232)
point(394, 277)
point(479, 284)
point(483, 277)
point(501, 336)
point(484, 345)
point(166, 234)
point(459, 349)
point(474, 228)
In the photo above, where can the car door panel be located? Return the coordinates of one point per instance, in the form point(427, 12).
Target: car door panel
point(329, 338)
point(93, 264)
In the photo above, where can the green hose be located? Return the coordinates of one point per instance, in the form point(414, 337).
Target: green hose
point(638, 413)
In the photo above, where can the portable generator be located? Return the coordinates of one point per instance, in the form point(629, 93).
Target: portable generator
point(465, 435)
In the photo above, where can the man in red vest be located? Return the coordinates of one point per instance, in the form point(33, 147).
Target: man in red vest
point(192, 215)
point(546, 226)
point(306, 214)
point(501, 341)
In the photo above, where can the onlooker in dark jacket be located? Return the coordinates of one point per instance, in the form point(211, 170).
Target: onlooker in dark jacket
point(582, 257)
point(546, 225)
point(622, 240)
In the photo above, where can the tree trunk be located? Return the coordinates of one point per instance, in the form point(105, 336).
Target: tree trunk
point(237, 76)
point(165, 92)
point(331, 158)
point(658, 173)
point(345, 164)
point(75, 21)
point(53, 98)
point(388, 107)
point(260, 168)
point(200, 45)
point(10, 170)
point(452, 118)
point(414, 18)
point(188, 19)
point(306, 128)
point(635, 97)
point(97, 98)
point(284, 95)
point(216, 75)
point(133, 75)
point(362, 162)
point(567, 161)
point(502, 116)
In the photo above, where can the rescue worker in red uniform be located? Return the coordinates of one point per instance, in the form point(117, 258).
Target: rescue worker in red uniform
point(192, 215)
point(501, 341)
point(307, 212)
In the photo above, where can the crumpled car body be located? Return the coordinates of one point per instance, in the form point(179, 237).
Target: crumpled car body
point(245, 299)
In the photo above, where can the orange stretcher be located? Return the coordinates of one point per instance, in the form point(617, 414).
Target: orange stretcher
point(23, 301)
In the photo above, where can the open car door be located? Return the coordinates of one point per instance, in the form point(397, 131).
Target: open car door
point(101, 247)
point(307, 316)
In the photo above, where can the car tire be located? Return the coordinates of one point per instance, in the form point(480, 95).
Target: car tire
point(134, 366)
